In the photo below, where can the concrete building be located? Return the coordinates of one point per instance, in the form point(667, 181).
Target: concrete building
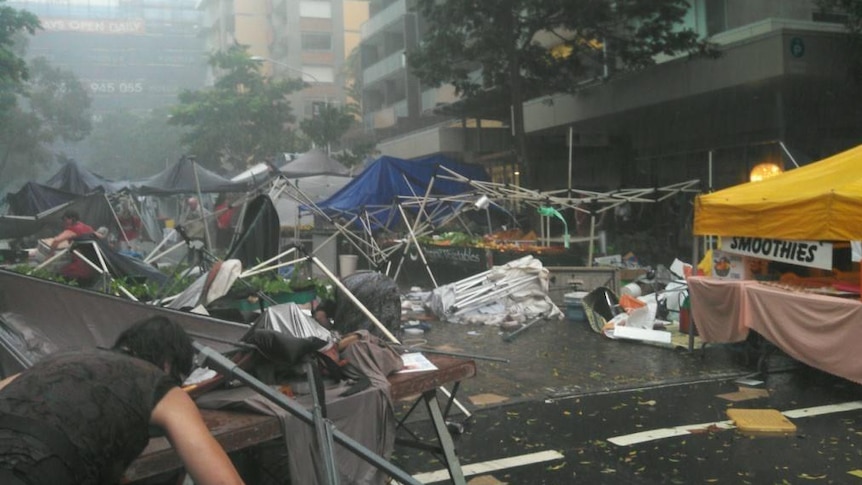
point(131, 54)
point(308, 39)
point(780, 93)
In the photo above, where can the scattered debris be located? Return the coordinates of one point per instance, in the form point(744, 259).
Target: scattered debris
point(761, 421)
point(744, 394)
point(515, 291)
point(485, 399)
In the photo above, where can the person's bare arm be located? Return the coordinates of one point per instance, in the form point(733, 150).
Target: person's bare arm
point(63, 236)
point(203, 456)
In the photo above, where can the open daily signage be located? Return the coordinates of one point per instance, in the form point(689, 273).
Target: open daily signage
point(814, 254)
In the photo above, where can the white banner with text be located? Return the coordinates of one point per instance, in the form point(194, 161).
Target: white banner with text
point(814, 254)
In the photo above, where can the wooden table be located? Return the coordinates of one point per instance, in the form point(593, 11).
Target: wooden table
point(240, 430)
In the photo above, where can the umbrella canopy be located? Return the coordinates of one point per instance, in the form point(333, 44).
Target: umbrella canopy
point(820, 201)
point(314, 162)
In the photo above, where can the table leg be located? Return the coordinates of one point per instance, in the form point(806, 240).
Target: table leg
point(445, 439)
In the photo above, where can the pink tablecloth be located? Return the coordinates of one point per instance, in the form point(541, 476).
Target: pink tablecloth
point(718, 308)
point(821, 331)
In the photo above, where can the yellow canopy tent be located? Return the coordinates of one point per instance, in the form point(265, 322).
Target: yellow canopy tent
point(820, 201)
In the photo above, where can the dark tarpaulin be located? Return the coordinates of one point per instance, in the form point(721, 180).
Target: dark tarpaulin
point(93, 209)
point(33, 198)
point(120, 265)
point(187, 177)
point(78, 180)
point(32, 310)
point(378, 293)
point(259, 239)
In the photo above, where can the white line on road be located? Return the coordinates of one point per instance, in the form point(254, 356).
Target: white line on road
point(491, 466)
point(661, 433)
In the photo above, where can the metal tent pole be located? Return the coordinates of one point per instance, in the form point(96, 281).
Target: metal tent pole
point(230, 368)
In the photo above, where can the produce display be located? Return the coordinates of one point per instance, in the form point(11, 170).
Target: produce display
point(513, 240)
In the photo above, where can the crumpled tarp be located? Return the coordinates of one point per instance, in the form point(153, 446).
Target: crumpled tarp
point(516, 291)
point(290, 319)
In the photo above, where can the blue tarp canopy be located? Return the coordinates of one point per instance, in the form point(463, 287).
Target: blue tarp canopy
point(379, 186)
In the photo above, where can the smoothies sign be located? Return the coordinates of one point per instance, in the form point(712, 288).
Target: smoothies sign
point(813, 254)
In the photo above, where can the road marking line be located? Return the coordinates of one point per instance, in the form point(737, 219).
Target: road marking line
point(662, 433)
point(491, 466)
point(828, 409)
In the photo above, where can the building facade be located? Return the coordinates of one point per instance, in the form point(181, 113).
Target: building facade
point(307, 39)
point(779, 93)
point(132, 55)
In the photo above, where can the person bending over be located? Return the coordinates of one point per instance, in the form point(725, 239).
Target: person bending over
point(74, 228)
point(83, 417)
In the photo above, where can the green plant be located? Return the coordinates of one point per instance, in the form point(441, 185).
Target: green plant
point(273, 283)
point(43, 273)
point(141, 291)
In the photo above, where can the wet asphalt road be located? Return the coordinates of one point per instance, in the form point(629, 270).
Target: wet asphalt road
point(570, 391)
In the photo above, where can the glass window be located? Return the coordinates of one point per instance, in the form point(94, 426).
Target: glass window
point(315, 9)
point(716, 17)
point(316, 41)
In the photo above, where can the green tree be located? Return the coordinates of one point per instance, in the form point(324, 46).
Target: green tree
point(244, 117)
point(13, 68)
point(126, 146)
point(507, 42)
point(53, 106)
point(328, 125)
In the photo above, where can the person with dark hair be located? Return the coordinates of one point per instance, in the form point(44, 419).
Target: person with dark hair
point(73, 228)
point(83, 417)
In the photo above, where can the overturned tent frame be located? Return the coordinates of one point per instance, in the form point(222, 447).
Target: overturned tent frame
point(80, 329)
point(429, 212)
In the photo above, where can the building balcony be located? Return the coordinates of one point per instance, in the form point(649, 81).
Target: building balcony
point(384, 18)
point(384, 68)
point(385, 117)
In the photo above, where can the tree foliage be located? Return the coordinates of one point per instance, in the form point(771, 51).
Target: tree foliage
point(126, 146)
point(13, 68)
point(502, 47)
point(328, 125)
point(244, 117)
point(53, 106)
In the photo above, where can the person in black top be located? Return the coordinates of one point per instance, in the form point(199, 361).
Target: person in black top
point(83, 417)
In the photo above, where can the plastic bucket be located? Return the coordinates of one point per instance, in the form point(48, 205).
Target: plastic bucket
point(347, 264)
point(632, 289)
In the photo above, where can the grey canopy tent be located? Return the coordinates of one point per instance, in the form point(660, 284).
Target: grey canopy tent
point(313, 162)
point(74, 178)
point(187, 177)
